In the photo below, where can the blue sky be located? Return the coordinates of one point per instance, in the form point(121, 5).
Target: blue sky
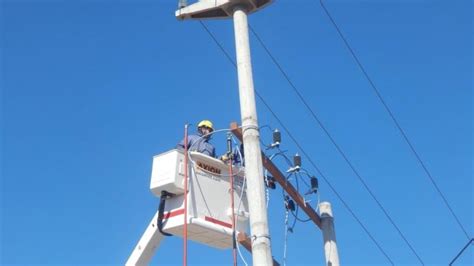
point(91, 90)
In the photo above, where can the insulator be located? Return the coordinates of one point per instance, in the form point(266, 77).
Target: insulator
point(297, 160)
point(314, 184)
point(270, 182)
point(276, 136)
point(291, 205)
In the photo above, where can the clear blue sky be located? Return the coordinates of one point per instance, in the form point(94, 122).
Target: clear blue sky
point(91, 90)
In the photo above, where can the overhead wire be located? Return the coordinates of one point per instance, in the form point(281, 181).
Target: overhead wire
point(301, 149)
point(338, 148)
point(460, 252)
point(394, 119)
point(348, 208)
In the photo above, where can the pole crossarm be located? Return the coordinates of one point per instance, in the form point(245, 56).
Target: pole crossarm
point(280, 178)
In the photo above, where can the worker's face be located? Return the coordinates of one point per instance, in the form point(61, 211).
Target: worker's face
point(205, 130)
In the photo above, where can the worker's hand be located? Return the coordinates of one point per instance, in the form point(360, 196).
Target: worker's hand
point(224, 158)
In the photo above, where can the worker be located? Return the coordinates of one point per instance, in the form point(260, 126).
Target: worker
point(200, 142)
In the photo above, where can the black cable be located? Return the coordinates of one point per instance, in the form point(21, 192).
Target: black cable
point(289, 201)
point(326, 180)
point(302, 179)
point(462, 250)
point(295, 214)
point(288, 161)
point(321, 125)
point(303, 151)
point(161, 209)
point(218, 44)
point(392, 116)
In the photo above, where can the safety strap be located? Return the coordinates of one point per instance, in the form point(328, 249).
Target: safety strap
point(161, 210)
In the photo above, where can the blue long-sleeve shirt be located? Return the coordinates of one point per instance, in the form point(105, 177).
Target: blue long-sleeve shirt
point(199, 144)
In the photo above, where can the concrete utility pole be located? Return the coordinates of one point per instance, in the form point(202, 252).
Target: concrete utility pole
point(251, 139)
point(329, 235)
point(238, 9)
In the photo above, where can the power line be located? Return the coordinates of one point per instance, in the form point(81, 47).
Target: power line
point(301, 148)
point(323, 176)
point(392, 116)
point(341, 152)
point(462, 250)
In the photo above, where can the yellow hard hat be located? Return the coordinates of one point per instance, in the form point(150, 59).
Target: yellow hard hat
point(206, 123)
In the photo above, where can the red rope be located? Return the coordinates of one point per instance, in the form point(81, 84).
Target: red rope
point(185, 227)
point(234, 250)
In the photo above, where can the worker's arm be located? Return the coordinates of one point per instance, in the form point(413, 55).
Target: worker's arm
point(180, 145)
point(213, 152)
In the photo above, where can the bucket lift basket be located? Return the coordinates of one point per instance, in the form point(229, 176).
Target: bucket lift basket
point(209, 212)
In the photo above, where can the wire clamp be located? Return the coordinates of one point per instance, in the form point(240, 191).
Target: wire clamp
point(255, 237)
point(293, 169)
point(250, 127)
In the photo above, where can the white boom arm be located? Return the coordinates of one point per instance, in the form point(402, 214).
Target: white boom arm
point(145, 249)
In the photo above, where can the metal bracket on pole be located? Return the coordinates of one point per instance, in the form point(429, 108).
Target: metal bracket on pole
point(246, 242)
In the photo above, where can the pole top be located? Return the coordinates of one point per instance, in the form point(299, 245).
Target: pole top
point(325, 209)
point(208, 9)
